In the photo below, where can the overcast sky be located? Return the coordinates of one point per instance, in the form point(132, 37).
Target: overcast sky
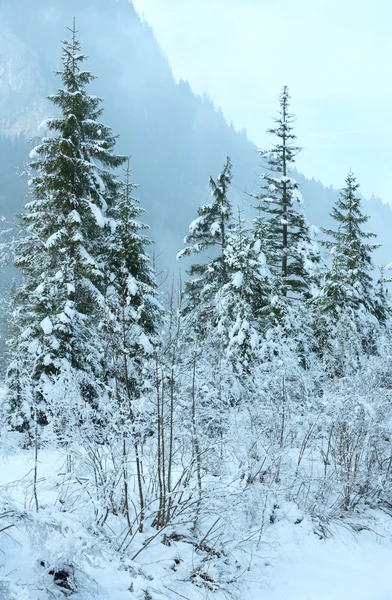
point(335, 56)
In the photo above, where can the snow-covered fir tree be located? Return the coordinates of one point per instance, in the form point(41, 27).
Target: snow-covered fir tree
point(131, 293)
point(280, 225)
point(60, 254)
point(347, 307)
point(244, 300)
point(130, 328)
point(382, 304)
point(209, 232)
point(208, 237)
point(132, 308)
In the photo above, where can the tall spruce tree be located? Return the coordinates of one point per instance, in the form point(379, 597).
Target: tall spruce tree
point(131, 319)
point(349, 283)
point(60, 254)
point(245, 299)
point(201, 308)
point(280, 225)
point(209, 232)
point(131, 291)
point(347, 306)
point(383, 307)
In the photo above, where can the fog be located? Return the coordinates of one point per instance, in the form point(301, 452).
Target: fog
point(173, 130)
point(334, 56)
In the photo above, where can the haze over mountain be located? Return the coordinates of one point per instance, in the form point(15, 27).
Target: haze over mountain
point(332, 56)
point(176, 138)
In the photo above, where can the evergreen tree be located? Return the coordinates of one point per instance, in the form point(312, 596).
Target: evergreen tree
point(60, 255)
point(244, 300)
point(349, 283)
point(347, 306)
point(226, 300)
point(130, 326)
point(209, 232)
point(383, 308)
point(282, 229)
point(131, 294)
point(202, 304)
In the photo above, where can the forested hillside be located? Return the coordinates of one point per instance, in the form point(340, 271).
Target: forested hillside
point(176, 139)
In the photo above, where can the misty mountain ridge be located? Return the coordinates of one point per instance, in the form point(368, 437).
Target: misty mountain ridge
point(176, 138)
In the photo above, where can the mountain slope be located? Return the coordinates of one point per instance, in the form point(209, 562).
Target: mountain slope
point(176, 138)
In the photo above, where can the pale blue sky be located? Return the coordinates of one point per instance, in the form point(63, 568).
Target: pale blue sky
point(335, 55)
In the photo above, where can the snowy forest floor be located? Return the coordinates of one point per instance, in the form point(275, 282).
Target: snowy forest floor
point(294, 562)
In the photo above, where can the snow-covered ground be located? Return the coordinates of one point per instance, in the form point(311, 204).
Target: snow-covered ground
point(346, 566)
point(292, 563)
